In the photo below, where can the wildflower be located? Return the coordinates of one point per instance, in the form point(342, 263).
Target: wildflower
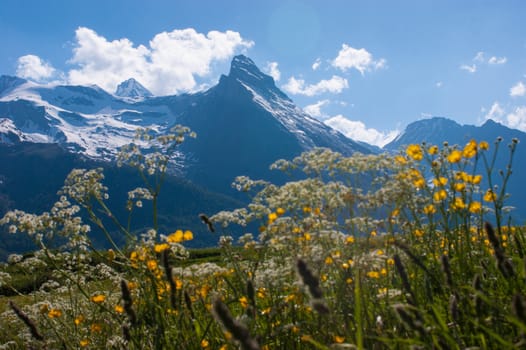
point(419, 182)
point(440, 181)
point(244, 302)
point(414, 151)
point(111, 255)
point(400, 159)
point(418, 233)
point(280, 211)
point(96, 328)
point(454, 157)
point(152, 265)
point(390, 262)
point(188, 235)
point(373, 233)
point(176, 237)
point(476, 179)
point(490, 196)
point(54, 313)
point(328, 260)
point(429, 209)
point(348, 280)
point(373, 274)
point(307, 209)
point(439, 196)
point(78, 320)
point(272, 217)
point(470, 150)
point(349, 239)
point(338, 339)
point(432, 150)
point(460, 186)
point(84, 342)
point(159, 248)
point(484, 145)
point(205, 344)
point(119, 309)
point(458, 204)
point(99, 298)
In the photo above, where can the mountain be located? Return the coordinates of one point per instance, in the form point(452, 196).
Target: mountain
point(438, 130)
point(131, 88)
point(244, 123)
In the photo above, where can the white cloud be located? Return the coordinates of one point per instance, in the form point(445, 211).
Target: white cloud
point(335, 85)
point(471, 69)
point(497, 60)
point(357, 131)
point(168, 65)
point(517, 119)
point(439, 84)
point(359, 59)
point(315, 109)
point(316, 64)
point(518, 89)
point(273, 71)
point(479, 57)
point(34, 68)
point(495, 112)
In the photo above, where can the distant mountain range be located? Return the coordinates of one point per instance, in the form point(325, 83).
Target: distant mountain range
point(243, 124)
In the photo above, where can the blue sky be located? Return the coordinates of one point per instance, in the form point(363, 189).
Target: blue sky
point(367, 68)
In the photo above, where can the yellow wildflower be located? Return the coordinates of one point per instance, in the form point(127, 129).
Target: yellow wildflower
point(440, 181)
point(460, 186)
point(205, 343)
point(54, 313)
point(328, 260)
point(272, 217)
point(84, 342)
point(439, 196)
point(458, 204)
point(118, 309)
point(429, 209)
point(159, 248)
point(349, 239)
point(454, 157)
point(244, 302)
point(490, 196)
point(476, 179)
point(95, 327)
point(418, 233)
point(470, 150)
point(414, 151)
point(99, 298)
point(152, 265)
point(280, 211)
point(338, 339)
point(175, 237)
point(400, 159)
point(188, 235)
point(432, 150)
point(484, 145)
point(78, 320)
point(373, 274)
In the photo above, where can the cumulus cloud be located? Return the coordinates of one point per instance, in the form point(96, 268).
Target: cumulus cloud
point(315, 109)
point(497, 60)
point(359, 59)
point(316, 64)
point(34, 68)
point(334, 85)
point(272, 70)
point(357, 131)
point(480, 58)
point(516, 119)
point(471, 69)
point(518, 89)
point(169, 64)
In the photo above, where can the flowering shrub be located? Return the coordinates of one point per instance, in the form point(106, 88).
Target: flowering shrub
point(413, 250)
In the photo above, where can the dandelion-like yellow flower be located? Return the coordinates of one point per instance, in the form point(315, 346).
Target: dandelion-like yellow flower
point(84, 342)
point(118, 309)
point(151, 265)
point(78, 320)
point(439, 196)
point(484, 145)
point(460, 186)
point(414, 151)
point(329, 260)
point(205, 344)
point(458, 204)
point(470, 150)
point(54, 313)
point(349, 239)
point(338, 339)
point(432, 150)
point(490, 196)
point(307, 209)
point(373, 274)
point(455, 156)
point(188, 235)
point(390, 262)
point(429, 209)
point(440, 181)
point(272, 217)
point(244, 302)
point(176, 237)
point(418, 233)
point(476, 179)
point(99, 298)
point(400, 159)
point(96, 328)
point(280, 211)
point(159, 248)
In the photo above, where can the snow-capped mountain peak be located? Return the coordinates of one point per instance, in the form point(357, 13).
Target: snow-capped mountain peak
point(131, 88)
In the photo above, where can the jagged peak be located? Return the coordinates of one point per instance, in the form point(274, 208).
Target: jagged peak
point(132, 88)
